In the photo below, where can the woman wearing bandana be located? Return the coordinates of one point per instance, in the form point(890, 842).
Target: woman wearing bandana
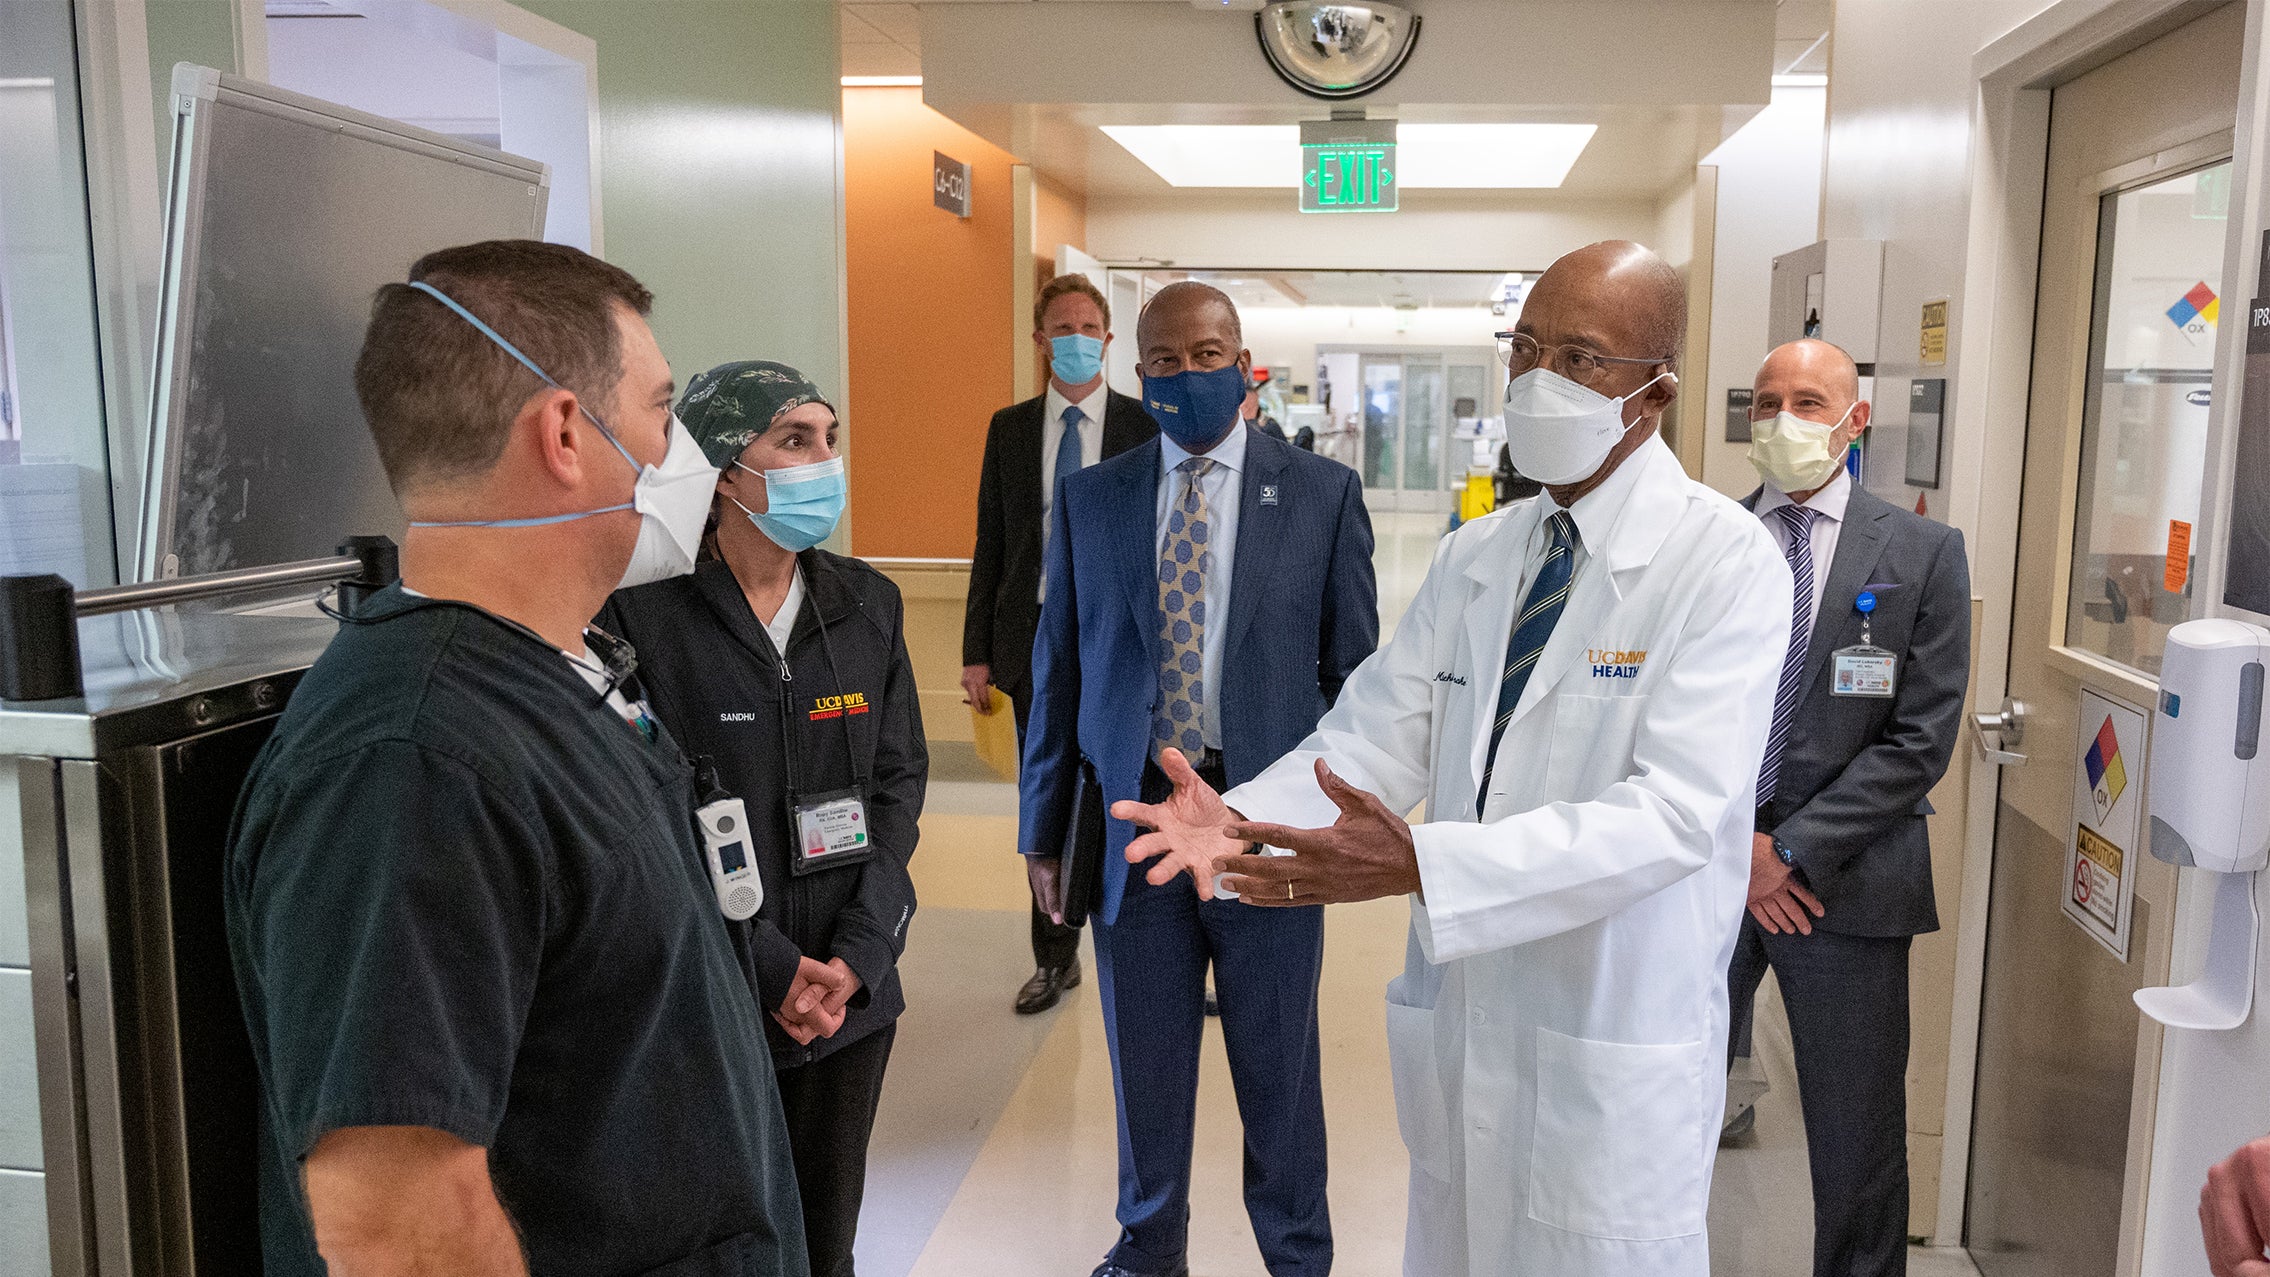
point(785, 668)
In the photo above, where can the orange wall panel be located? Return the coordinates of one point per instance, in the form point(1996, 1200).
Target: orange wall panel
point(931, 334)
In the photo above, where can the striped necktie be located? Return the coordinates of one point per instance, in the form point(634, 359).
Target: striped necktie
point(1183, 571)
point(1548, 594)
point(1798, 520)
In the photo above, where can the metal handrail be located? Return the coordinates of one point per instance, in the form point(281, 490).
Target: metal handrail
point(40, 614)
point(186, 589)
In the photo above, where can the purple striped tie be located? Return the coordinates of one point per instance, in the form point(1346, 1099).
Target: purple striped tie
point(1799, 522)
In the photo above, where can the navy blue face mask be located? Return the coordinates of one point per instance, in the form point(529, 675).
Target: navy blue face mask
point(1193, 408)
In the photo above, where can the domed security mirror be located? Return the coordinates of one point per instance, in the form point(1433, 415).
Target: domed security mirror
point(1333, 51)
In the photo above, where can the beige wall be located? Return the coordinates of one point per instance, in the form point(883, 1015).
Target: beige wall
point(934, 590)
point(1769, 183)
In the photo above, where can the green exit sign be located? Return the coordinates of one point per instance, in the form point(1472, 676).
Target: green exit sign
point(1348, 166)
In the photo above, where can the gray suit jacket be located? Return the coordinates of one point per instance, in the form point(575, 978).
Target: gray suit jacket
point(1850, 800)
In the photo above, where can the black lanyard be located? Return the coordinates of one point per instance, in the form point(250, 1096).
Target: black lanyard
point(788, 741)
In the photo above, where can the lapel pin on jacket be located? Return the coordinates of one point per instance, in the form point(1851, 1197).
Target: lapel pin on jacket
point(1268, 494)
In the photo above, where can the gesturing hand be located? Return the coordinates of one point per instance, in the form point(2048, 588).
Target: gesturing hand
point(1189, 831)
point(1367, 854)
point(2234, 1212)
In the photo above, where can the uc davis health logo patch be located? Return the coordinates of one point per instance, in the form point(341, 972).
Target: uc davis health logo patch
point(1610, 663)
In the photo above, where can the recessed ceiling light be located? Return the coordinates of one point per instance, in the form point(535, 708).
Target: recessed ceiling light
point(1801, 80)
point(1441, 156)
point(882, 82)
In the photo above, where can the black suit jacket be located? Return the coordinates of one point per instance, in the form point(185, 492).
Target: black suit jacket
point(1004, 576)
point(1851, 796)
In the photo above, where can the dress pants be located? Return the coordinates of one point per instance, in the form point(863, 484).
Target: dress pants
point(1053, 946)
point(1151, 963)
point(830, 1109)
point(1848, 1019)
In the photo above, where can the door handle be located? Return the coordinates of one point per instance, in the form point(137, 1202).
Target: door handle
point(1996, 734)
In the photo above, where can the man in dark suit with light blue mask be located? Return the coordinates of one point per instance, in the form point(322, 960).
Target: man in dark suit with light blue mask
point(1208, 593)
point(1030, 448)
point(1870, 699)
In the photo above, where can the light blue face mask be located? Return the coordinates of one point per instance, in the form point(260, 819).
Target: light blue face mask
point(802, 503)
point(1075, 358)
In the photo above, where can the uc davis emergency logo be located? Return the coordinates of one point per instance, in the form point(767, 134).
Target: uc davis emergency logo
point(838, 706)
point(1609, 663)
point(2196, 311)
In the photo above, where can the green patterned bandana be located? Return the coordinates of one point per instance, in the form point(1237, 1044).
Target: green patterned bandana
point(730, 406)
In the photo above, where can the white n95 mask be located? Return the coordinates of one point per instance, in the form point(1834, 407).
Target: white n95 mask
point(1559, 432)
point(1794, 454)
point(672, 500)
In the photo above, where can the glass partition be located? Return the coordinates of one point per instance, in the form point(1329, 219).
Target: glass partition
point(55, 513)
point(2144, 415)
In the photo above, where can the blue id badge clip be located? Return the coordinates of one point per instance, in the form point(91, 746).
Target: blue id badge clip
point(1864, 670)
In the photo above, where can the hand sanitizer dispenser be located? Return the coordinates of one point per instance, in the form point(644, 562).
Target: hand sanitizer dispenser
point(2210, 785)
point(2210, 806)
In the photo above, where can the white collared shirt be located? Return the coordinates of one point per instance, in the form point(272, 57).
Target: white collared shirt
point(1828, 521)
point(1595, 513)
point(1223, 487)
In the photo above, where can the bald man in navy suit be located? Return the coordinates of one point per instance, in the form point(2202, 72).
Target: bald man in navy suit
point(1208, 593)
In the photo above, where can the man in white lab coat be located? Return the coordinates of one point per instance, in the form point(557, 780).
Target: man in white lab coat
point(1580, 693)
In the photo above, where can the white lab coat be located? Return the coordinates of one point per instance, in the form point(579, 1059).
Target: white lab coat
point(1558, 1035)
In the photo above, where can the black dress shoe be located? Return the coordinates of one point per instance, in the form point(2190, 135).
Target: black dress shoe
point(1047, 987)
point(1111, 1269)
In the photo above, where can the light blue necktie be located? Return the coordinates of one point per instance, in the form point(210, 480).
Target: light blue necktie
point(1068, 448)
point(1799, 522)
point(1548, 594)
point(1067, 465)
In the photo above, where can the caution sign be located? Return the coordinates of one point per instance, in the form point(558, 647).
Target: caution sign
point(1934, 351)
point(2096, 876)
point(2108, 795)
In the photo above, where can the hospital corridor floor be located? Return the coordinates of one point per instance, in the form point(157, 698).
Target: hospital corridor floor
point(995, 1151)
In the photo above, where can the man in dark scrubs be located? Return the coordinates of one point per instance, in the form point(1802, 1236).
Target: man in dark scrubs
point(499, 1026)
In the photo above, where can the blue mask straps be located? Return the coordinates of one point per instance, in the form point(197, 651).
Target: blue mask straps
point(514, 351)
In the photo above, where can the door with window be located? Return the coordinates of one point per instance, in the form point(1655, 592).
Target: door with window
point(2134, 212)
point(1416, 448)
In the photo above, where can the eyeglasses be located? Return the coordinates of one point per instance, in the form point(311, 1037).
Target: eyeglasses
point(1521, 353)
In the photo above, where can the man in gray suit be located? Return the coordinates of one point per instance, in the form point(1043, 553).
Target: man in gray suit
point(1870, 700)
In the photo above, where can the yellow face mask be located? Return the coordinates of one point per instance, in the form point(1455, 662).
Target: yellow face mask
point(1796, 455)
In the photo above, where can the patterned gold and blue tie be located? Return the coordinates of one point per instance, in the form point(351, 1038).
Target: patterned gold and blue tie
point(1532, 626)
point(1183, 571)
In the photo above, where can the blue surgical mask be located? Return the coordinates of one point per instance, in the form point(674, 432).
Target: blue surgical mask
point(1193, 408)
point(802, 503)
point(1076, 358)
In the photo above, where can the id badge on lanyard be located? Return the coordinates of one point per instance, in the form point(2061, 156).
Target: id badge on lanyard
point(831, 830)
point(1865, 669)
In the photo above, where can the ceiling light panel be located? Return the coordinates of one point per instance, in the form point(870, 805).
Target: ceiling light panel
point(1437, 156)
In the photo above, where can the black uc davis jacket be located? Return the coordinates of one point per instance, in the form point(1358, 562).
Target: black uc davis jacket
point(713, 678)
